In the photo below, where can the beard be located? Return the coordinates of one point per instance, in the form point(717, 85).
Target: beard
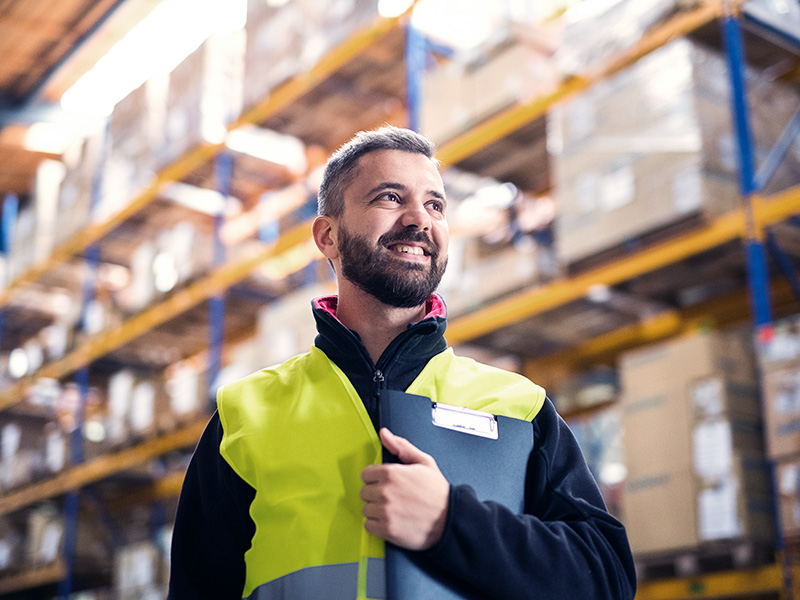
point(395, 282)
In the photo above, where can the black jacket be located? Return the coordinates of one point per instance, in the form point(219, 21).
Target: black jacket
point(565, 546)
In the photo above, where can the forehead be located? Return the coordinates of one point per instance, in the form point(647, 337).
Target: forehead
point(411, 169)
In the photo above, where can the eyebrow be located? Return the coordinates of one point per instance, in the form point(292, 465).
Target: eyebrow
point(391, 185)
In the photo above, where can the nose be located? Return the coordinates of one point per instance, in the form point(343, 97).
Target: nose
point(415, 214)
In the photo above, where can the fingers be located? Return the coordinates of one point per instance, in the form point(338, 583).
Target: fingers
point(407, 452)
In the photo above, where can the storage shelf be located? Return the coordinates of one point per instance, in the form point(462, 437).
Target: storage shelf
point(33, 578)
point(283, 97)
point(728, 584)
point(534, 301)
point(174, 305)
point(504, 313)
point(100, 468)
point(502, 125)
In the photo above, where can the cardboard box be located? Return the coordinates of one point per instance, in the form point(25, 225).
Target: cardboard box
point(204, 96)
point(788, 490)
point(483, 279)
point(596, 30)
point(12, 543)
point(675, 510)
point(275, 37)
point(782, 409)
point(135, 136)
point(669, 156)
point(23, 449)
point(83, 162)
point(137, 570)
point(660, 511)
point(692, 426)
point(463, 92)
point(293, 37)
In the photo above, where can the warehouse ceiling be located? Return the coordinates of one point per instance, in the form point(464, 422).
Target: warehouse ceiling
point(47, 45)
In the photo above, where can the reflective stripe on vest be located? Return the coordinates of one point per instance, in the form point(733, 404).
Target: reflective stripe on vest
point(299, 434)
point(339, 582)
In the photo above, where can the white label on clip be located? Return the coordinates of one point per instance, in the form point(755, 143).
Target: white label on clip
point(465, 420)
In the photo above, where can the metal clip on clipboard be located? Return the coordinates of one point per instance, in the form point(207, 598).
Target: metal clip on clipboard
point(465, 420)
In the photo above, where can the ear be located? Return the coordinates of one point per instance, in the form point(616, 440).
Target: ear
point(325, 237)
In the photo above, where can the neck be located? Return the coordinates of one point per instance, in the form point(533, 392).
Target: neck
point(377, 323)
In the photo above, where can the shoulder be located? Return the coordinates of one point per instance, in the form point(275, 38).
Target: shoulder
point(469, 375)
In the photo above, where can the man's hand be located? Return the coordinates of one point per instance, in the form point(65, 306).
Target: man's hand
point(405, 504)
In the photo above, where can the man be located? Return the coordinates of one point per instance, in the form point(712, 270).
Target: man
point(285, 496)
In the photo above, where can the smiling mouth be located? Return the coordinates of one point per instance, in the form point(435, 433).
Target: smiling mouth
point(413, 250)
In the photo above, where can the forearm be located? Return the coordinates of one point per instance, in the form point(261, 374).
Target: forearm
point(509, 556)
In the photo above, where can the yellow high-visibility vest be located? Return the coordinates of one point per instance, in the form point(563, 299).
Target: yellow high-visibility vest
point(299, 434)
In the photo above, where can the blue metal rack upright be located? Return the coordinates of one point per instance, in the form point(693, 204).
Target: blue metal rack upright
point(223, 171)
point(751, 181)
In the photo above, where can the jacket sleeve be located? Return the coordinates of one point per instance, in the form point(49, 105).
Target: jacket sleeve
point(566, 545)
point(213, 528)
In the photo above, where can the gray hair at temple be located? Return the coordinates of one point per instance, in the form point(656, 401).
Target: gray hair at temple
point(341, 168)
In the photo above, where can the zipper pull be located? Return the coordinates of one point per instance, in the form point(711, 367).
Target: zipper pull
point(374, 408)
point(378, 379)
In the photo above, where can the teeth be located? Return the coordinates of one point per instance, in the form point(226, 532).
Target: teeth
point(409, 249)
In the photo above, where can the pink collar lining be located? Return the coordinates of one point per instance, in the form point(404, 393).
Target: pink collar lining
point(434, 307)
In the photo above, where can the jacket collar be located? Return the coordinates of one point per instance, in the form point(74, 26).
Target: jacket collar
point(408, 353)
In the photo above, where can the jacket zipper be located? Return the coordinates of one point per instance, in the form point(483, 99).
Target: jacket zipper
point(379, 380)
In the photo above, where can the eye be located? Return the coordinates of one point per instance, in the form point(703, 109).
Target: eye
point(389, 196)
point(437, 205)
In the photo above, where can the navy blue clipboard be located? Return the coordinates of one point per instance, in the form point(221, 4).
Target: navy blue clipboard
point(494, 468)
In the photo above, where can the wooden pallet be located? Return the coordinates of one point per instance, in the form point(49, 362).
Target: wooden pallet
point(708, 558)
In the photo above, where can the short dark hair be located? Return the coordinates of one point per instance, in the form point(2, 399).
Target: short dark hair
point(341, 166)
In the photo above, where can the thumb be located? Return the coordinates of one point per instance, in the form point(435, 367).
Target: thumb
point(407, 452)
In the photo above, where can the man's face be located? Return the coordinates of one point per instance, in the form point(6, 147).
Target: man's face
point(392, 235)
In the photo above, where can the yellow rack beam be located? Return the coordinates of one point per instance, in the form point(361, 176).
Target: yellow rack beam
point(726, 310)
point(174, 305)
point(515, 118)
point(283, 96)
point(287, 93)
point(538, 300)
point(32, 578)
point(729, 584)
point(100, 468)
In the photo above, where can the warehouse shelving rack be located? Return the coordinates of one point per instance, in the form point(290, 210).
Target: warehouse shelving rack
point(501, 314)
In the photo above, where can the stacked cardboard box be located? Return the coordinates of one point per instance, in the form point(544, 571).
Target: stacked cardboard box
point(83, 162)
point(12, 543)
point(137, 408)
point(779, 357)
point(176, 255)
point(204, 96)
point(288, 38)
point(462, 92)
point(477, 277)
point(596, 31)
point(654, 145)
point(135, 137)
point(185, 384)
point(286, 327)
point(44, 539)
point(137, 572)
point(693, 444)
point(32, 448)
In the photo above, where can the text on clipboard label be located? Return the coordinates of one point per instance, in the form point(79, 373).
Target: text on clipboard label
point(465, 420)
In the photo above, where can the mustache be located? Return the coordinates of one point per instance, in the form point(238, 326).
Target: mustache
point(410, 235)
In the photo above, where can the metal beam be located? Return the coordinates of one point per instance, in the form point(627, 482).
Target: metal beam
point(530, 302)
point(100, 468)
